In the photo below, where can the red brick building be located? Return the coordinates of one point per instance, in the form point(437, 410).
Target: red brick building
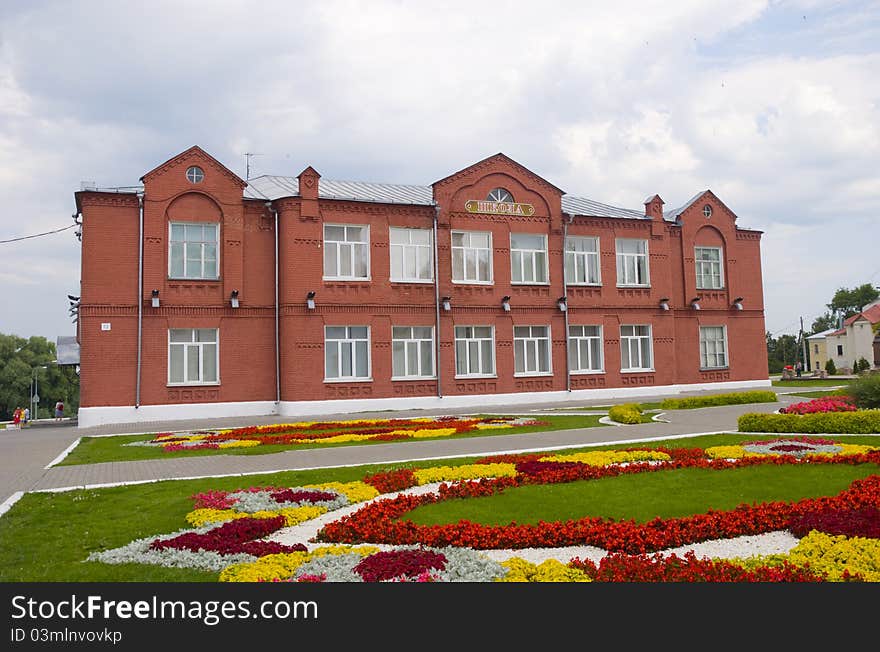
point(203, 295)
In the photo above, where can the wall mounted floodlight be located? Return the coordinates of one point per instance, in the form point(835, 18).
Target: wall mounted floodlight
point(155, 298)
point(695, 303)
point(562, 304)
point(233, 299)
point(310, 300)
point(446, 302)
point(505, 303)
point(664, 303)
point(738, 303)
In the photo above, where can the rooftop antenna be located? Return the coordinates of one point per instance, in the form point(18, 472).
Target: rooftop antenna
point(247, 156)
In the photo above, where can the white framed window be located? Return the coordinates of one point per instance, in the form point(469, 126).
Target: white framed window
point(346, 252)
point(346, 352)
point(531, 350)
point(193, 250)
point(636, 348)
point(713, 347)
point(499, 195)
point(471, 257)
point(474, 351)
point(585, 349)
point(412, 352)
point(195, 174)
point(528, 258)
point(710, 273)
point(632, 262)
point(582, 261)
point(412, 255)
point(193, 356)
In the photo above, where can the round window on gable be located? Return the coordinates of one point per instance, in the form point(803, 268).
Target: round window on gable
point(195, 174)
point(707, 211)
point(500, 194)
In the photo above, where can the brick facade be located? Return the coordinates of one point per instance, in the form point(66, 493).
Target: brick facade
point(246, 259)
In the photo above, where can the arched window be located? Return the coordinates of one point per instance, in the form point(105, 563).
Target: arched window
point(499, 194)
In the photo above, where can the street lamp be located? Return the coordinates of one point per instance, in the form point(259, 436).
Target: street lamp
point(35, 395)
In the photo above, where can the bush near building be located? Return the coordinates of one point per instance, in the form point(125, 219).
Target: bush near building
point(735, 398)
point(860, 422)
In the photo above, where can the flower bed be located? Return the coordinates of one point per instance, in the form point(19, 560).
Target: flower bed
point(839, 534)
point(331, 432)
point(821, 405)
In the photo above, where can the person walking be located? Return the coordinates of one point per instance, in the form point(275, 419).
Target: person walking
point(26, 416)
point(59, 410)
point(16, 418)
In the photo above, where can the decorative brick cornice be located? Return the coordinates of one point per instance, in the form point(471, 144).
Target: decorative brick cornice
point(375, 208)
point(195, 152)
point(476, 168)
point(108, 199)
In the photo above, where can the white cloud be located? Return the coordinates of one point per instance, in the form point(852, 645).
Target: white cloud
point(608, 101)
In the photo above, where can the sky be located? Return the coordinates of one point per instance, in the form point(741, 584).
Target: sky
point(773, 105)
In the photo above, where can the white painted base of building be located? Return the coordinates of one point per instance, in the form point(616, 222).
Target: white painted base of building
point(97, 416)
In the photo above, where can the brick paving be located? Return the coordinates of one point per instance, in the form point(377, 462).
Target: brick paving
point(25, 453)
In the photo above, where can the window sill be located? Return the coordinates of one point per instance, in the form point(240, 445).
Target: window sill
point(726, 368)
point(192, 279)
point(637, 371)
point(213, 384)
point(721, 289)
point(344, 279)
point(588, 372)
point(454, 282)
point(412, 281)
point(348, 380)
point(634, 287)
point(476, 377)
point(520, 283)
point(585, 285)
point(540, 374)
point(404, 379)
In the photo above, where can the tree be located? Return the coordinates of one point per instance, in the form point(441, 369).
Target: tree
point(830, 367)
point(847, 303)
point(823, 323)
point(781, 351)
point(18, 359)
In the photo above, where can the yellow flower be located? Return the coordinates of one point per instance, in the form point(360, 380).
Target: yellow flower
point(464, 472)
point(283, 566)
point(356, 491)
point(730, 453)
point(243, 443)
point(203, 516)
point(550, 570)
point(604, 458)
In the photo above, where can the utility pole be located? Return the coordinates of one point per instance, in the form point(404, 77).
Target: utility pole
point(804, 342)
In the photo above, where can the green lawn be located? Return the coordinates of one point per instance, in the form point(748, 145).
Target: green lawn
point(642, 497)
point(812, 382)
point(92, 450)
point(47, 536)
point(820, 394)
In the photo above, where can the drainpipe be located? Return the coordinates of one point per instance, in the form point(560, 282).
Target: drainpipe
point(277, 346)
point(437, 307)
point(567, 217)
point(140, 298)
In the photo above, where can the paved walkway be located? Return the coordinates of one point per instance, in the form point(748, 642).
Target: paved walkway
point(24, 454)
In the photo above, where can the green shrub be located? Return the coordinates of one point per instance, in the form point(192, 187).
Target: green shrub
point(862, 365)
point(860, 422)
point(866, 391)
point(735, 398)
point(626, 413)
point(830, 367)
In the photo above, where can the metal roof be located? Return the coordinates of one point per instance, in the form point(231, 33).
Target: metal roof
point(673, 214)
point(588, 207)
point(272, 187)
point(268, 187)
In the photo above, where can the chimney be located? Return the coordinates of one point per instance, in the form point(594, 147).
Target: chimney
point(654, 207)
point(308, 192)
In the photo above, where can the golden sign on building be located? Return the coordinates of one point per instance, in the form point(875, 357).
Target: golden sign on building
point(498, 208)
